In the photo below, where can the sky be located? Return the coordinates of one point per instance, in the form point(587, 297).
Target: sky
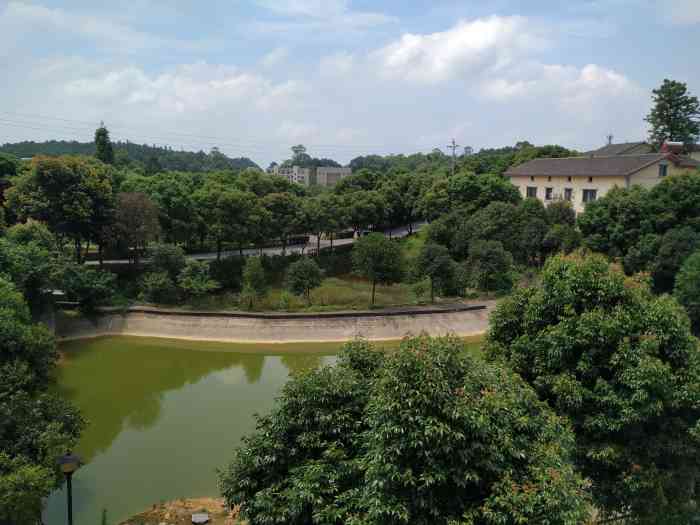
point(342, 77)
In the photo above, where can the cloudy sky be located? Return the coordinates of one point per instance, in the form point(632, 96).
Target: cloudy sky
point(343, 77)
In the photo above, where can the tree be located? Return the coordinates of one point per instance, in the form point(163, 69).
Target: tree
point(561, 238)
point(499, 221)
point(168, 258)
point(254, 280)
point(71, 195)
point(490, 267)
point(435, 263)
point(9, 165)
point(365, 209)
point(422, 435)
point(687, 289)
point(285, 215)
point(103, 145)
point(37, 425)
point(195, 280)
point(225, 213)
point(136, 222)
point(675, 114)
point(153, 166)
point(378, 259)
point(615, 222)
point(159, 288)
point(673, 248)
point(88, 287)
point(621, 364)
point(303, 276)
point(561, 212)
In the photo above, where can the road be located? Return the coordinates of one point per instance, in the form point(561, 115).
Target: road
point(277, 250)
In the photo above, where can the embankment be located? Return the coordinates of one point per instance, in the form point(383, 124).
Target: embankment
point(462, 320)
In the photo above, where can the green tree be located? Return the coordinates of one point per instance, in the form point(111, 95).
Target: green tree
point(159, 288)
point(195, 280)
point(378, 259)
point(67, 193)
point(225, 212)
point(28, 263)
point(673, 248)
point(435, 263)
point(169, 258)
point(422, 435)
point(285, 216)
point(9, 166)
point(489, 267)
point(365, 209)
point(303, 276)
point(88, 287)
point(36, 425)
point(621, 364)
point(675, 114)
point(103, 145)
point(687, 289)
point(561, 212)
point(136, 223)
point(499, 221)
point(561, 238)
point(254, 279)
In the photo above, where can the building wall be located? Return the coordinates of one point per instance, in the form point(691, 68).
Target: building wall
point(695, 155)
point(649, 176)
point(328, 176)
point(558, 184)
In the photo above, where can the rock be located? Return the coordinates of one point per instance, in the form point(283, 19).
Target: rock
point(200, 517)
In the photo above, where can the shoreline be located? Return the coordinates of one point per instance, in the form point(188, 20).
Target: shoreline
point(276, 329)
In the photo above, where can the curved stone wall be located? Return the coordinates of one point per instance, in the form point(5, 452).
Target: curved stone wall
point(460, 320)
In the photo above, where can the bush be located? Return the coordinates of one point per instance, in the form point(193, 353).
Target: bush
point(561, 213)
point(422, 435)
point(90, 288)
point(194, 279)
point(490, 267)
point(228, 272)
point(158, 288)
point(302, 277)
point(561, 238)
point(169, 258)
point(254, 277)
point(621, 364)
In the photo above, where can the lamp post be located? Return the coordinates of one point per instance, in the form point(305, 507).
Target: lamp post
point(69, 463)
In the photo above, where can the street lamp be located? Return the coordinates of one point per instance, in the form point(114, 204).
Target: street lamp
point(69, 463)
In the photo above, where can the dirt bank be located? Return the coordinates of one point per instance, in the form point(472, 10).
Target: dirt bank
point(179, 512)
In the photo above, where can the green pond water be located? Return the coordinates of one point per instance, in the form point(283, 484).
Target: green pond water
point(164, 415)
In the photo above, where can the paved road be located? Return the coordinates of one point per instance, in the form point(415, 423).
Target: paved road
point(277, 250)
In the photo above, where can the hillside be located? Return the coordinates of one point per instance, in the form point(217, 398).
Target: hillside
point(127, 153)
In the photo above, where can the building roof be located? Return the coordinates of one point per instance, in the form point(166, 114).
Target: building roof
point(614, 165)
point(624, 148)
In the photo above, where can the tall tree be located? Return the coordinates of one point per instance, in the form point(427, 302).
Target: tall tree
point(622, 365)
point(675, 114)
point(136, 222)
point(435, 263)
point(378, 259)
point(103, 146)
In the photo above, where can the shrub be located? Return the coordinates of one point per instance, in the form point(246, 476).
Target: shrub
point(423, 435)
point(490, 267)
point(194, 279)
point(621, 364)
point(561, 238)
point(228, 272)
point(159, 288)
point(561, 213)
point(302, 277)
point(169, 258)
point(254, 277)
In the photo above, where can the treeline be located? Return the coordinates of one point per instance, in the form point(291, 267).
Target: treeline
point(141, 157)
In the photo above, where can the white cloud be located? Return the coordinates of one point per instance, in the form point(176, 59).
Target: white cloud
point(59, 22)
point(681, 12)
point(471, 46)
point(274, 57)
point(338, 64)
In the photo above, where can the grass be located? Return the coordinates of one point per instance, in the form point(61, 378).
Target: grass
point(412, 244)
point(347, 292)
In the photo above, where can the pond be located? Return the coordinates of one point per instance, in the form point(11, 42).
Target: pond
point(164, 415)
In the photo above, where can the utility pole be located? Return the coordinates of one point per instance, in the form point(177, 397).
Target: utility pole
point(453, 146)
point(610, 138)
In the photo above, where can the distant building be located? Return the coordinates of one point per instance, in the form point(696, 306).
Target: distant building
point(586, 178)
point(322, 175)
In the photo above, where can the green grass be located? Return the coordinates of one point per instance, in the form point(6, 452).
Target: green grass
point(412, 244)
point(347, 292)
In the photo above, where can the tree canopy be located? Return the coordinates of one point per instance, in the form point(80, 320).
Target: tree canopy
point(675, 115)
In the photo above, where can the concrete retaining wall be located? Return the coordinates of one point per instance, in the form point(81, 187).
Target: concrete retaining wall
point(460, 320)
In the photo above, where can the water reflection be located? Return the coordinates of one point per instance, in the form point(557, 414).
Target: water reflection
point(163, 415)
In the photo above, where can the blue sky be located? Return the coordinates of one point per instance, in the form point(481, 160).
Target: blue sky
point(343, 77)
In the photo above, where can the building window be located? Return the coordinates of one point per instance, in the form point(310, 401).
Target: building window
point(568, 194)
point(532, 179)
point(549, 179)
point(548, 193)
point(589, 195)
point(663, 170)
point(590, 179)
point(568, 179)
point(532, 192)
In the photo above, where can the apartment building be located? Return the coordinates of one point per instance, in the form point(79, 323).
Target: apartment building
point(583, 179)
point(322, 175)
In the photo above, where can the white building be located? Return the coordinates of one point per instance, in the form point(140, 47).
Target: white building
point(323, 175)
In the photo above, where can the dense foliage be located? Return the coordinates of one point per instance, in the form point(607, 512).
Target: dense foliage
point(378, 259)
point(675, 114)
point(425, 435)
point(303, 276)
point(687, 289)
point(621, 364)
